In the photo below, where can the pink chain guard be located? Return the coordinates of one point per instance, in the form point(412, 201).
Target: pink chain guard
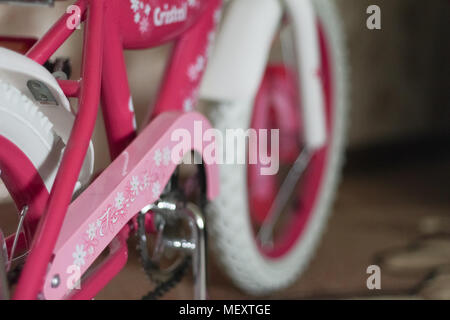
point(135, 179)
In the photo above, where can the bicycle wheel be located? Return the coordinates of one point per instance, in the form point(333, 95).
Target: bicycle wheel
point(26, 160)
point(246, 198)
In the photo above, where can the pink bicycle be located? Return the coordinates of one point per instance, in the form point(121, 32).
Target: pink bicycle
point(275, 64)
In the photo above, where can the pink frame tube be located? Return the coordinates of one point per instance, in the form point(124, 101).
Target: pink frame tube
point(54, 38)
point(103, 70)
point(107, 270)
point(71, 88)
point(117, 106)
point(188, 63)
point(32, 277)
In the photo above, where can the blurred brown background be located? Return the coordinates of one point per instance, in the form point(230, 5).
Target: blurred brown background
point(395, 185)
point(399, 75)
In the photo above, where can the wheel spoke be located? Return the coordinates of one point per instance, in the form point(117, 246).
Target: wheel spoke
point(4, 289)
point(265, 233)
point(22, 216)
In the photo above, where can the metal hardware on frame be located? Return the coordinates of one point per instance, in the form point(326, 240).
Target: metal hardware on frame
point(41, 92)
point(195, 246)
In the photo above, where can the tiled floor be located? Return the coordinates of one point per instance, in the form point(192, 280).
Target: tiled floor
point(385, 202)
point(392, 203)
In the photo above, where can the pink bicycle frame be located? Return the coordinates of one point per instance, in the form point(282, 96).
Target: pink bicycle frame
point(109, 29)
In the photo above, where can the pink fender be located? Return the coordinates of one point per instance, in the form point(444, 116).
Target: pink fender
point(135, 179)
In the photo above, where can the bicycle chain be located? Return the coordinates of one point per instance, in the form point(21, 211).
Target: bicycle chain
point(163, 287)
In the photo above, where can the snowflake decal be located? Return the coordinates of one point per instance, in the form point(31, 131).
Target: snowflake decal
point(119, 200)
point(137, 17)
point(196, 68)
point(131, 105)
point(192, 73)
point(144, 25)
point(134, 5)
point(145, 182)
point(120, 206)
point(141, 14)
point(157, 157)
point(187, 104)
point(156, 189)
point(91, 231)
point(192, 3)
point(200, 63)
point(166, 156)
point(78, 255)
point(134, 183)
point(147, 9)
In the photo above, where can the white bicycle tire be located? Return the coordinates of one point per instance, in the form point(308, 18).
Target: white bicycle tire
point(229, 219)
point(30, 130)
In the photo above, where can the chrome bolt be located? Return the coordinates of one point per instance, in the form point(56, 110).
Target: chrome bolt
point(55, 281)
point(35, 84)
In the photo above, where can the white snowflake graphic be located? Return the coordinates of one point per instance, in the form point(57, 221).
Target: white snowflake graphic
point(134, 5)
point(157, 157)
point(192, 3)
point(200, 63)
point(144, 25)
point(137, 17)
point(119, 200)
point(131, 105)
point(91, 231)
point(195, 69)
point(187, 105)
point(192, 73)
point(145, 182)
point(91, 250)
point(147, 9)
point(135, 185)
point(141, 14)
point(167, 156)
point(156, 189)
point(78, 255)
